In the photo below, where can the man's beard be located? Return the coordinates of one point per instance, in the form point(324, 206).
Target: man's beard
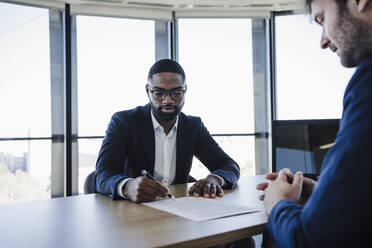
point(162, 116)
point(353, 38)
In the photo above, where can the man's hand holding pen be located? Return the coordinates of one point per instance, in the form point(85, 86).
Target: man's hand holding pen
point(142, 189)
point(146, 188)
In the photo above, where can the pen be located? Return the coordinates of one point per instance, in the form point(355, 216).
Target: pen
point(145, 173)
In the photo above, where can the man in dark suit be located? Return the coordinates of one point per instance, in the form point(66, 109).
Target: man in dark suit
point(336, 211)
point(161, 139)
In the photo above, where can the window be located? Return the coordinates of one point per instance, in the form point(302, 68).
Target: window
point(114, 55)
point(25, 103)
point(310, 81)
point(88, 154)
point(217, 57)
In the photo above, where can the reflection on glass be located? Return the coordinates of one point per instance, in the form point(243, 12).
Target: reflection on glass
point(88, 154)
point(301, 145)
point(217, 57)
point(112, 74)
point(24, 170)
point(112, 68)
point(310, 81)
point(241, 149)
point(24, 71)
point(25, 166)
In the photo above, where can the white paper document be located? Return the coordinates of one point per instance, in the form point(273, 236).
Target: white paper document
point(200, 209)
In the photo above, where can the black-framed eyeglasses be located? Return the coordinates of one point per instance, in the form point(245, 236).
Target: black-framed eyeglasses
point(160, 94)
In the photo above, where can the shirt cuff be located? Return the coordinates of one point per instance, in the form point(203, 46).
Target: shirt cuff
point(119, 187)
point(222, 180)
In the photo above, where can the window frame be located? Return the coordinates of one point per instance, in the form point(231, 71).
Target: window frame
point(64, 134)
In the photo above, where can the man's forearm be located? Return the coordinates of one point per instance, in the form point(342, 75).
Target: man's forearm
point(285, 225)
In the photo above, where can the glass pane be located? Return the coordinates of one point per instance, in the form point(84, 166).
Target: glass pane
point(114, 56)
point(239, 148)
point(88, 154)
point(25, 168)
point(217, 57)
point(310, 81)
point(24, 71)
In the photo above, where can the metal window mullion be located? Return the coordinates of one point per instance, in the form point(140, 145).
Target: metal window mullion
point(57, 102)
point(258, 135)
point(174, 37)
point(71, 115)
point(272, 52)
point(68, 109)
point(261, 87)
point(74, 111)
point(162, 40)
point(24, 138)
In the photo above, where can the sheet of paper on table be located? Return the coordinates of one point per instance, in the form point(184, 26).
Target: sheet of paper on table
point(199, 208)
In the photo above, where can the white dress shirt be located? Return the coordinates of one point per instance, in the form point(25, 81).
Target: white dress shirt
point(165, 152)
point(165, 155)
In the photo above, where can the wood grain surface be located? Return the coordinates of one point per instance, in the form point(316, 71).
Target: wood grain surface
point(96, 221)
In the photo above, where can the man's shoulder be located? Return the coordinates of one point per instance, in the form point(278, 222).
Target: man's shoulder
point(366, 63)
point(356, 118)
point(363, 71)
point(361, 82)
point(131, 113)
point(190, 118)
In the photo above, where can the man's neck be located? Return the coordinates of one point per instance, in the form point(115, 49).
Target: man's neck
point(167, 125)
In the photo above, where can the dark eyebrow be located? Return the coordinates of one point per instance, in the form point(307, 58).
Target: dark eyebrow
point(158, 88)
point(178, 88)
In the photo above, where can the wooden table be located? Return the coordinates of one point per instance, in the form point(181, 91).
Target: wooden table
point(96, 221)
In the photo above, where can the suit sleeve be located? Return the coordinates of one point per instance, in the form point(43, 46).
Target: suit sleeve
point(338, 214)
point(215, 159)
point(111, 158)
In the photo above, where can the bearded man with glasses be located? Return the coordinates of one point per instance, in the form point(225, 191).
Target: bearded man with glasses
point(161, 139)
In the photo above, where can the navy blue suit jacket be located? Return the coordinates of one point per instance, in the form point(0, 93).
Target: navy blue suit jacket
point(339, 211)
point(129, 147)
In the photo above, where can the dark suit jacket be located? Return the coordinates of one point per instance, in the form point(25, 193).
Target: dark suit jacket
point(129, 147)
point(339, 211)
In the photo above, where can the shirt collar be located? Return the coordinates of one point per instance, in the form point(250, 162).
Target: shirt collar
point(156, 124)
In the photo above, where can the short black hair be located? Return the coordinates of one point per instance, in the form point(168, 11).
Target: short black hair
point(166, 65)
point(340, 3)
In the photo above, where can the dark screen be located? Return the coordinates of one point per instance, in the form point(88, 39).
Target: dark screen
point(301, 145)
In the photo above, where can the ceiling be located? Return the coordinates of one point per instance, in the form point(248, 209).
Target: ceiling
point(271, 5)
point(195, 4)
point(164, 9)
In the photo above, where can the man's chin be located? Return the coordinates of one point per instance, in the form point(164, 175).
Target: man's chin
point(353, 58)
point(167, 117)
point(348, 62)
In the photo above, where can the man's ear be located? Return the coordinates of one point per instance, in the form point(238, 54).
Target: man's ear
point(362, 4)
point(147, 89)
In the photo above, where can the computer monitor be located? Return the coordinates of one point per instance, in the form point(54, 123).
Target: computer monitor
point(301, 145)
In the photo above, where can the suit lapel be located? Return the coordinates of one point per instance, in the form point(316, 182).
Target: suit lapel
point(148, 137)
point(180, 170)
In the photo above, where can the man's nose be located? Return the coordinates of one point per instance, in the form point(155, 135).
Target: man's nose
point(168, 98)
point(324, 41)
